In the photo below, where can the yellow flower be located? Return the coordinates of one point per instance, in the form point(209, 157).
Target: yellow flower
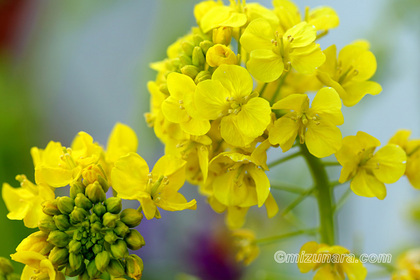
point(248, 249)
point(316, 126)
point(159, 188)
point(228, 95)
point(349, 73)
point(408, 266)
point(368, 170)
point(273, 51)
point(177, 108)
point(323, 18)
point(331, 262)
point(37, 266)
point(412, 149)
point(25, 202)
point(220, 54)
point(121, 141)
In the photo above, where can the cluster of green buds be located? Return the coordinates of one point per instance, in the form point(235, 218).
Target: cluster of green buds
point(89, 235)
point(7, 271)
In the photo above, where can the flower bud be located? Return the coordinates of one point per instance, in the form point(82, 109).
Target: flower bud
point(134, 240)
point(65, 204)
point(82, 201)
point(220, 54)
point(206, 45)
point(104, 183)
point(78, 215)
point(202, 76)
point(96, 227)
point(198, 57)
point(95, 192)
point(75, 188)
point(5, 266)
point(102, 260)
point(77, 235)
point(50, 208)
point(222, 35)
point(134, 267)
point(164, 88)
point(99, 210)
point(97, 249)
point(92, 270)
point(131, 217)
point(197, 39)
point(121, 229)
point(15, 276)
point(113, 205)
point(190, 70)
point(187, 47)
point(109, 220)
point(75, 246)
point(91, 173)
point(184, 60)
point(84, 276)
point(74, 272)
point(58, 256)
point(75, 261)
point(119, 249)
point(115, 268)
point(110, 237)
point(58, 238)
point(47, 224)
point(62, 222)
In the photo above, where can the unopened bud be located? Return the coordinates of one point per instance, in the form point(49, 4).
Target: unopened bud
point(220, 54)
point(202, 76)
point(75, 261)
point(198, 57)
point(184, 60)
point(222, 35)
point(92, 270)
point(121, 229)
point(74, 272)
point(15, 276)
point(47, 224)
point(75, 188)
point(58, 238)
point(187, 47)
point(104, 183)
point(115, 268)
point(65, 204)
point(84, 276)
point(62, 222)
point(131, 217)
point(109, 219)
point(164, 88)
point(97, 249)
point(206, 45)
point(91, 173)
point(93, 218)
point(58, 256)
point(110, 237)
point(78, 215)
point(95, 192)
point(113, 205)
point(96, 227)
point(197, 39)
point(75, 246)
point(49, 207)
point(119, 249)
point(134, 240)
point(102, 260)
point(5, 266)
point(190, 70)
point(82, 201)
point(134, 267)
point(99, 210)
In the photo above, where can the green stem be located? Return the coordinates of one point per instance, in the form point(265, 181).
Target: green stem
point(276, 93)
point(297, 201)
point(342, 200)
point(324, 197)
point(263, 89)
point(281, 160)
point(286, 187)
point(277, 238)
point(331, 163)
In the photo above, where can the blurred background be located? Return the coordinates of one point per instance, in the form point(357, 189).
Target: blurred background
point(67, 66)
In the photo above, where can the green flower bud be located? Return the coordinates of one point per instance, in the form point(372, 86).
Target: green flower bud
point(82, 201)
point(46, 249)
point(164, 88)
point(206, 45)
point(190, 70)
point(75, 261)
point(184, 60)
point(110, 237)
point(121, 229)
point(15, 276)
point(62, 222)
point(78, 215)
point(102, 260)
point(59, 256)
point(198, 57)
point(99, 210)
point(134, 240)
point(134, 267)
point(95, 192)
point(109, 219)
point(65, 204)
point(74, 272)
point(50, 208)
point(5, 266)
point(84, 276)
point(115, 268)
point(119, 249)
point(47, 224)
point(76, 188)
point(93, 218)
point(88, 244)
point(113, 205)
point(97, 249)
point(58, 238)
point(78, 234)
point(92, 270)
point(75, 246)
point(202, 76)
point(131, 217)
point(197, 39)
point(96, 227)
point(103, 182)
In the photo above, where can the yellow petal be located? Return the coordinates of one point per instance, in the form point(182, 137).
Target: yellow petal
point(323, 18)
point(306, 60)
point(308, 248)
point(254, 117)
point(326, 272)
point(232, 134)
point(330, 65)
point(412, 172)
point(235, 217)
point(203, 161)
point(122, 140)
point(295, 102)
point(367, 185)
point(55, 177)
point(257, 35)
point(228, 190)
point(148, 206)
point(265, 65)
point(173, 111)
point(303, 34)
point(400, 138)
point(356, 91)
point(180, 85)
point(284, 133)
point(327, 105)
point(168, 165)
point(354, 269)
point(271, 206)
point(388, 164)
point(323, 138)
point(129, 175)
point(18, 207)
point(196, 127)
point(235, 79)
point(287, 12)
point(360, 59)
point(262, 184)
point(174, 201)
point(220, 54)
point(255, 11)
point(210, 99)
point(222, 16)
point(32, 259)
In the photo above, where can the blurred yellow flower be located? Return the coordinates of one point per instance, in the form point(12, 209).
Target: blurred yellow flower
point(408, 267)
point(245, 242)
